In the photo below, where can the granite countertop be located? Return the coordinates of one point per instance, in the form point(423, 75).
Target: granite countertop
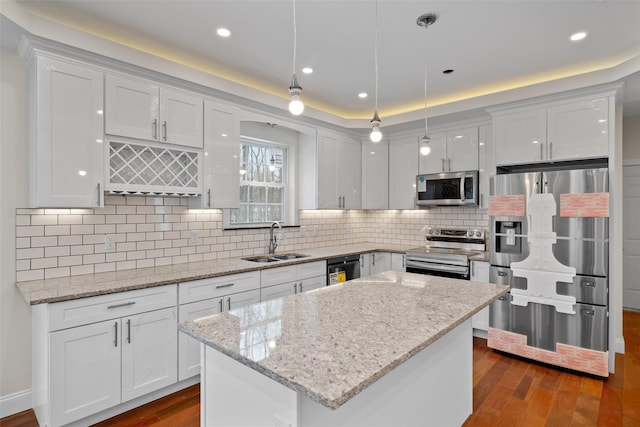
point(331, 343)
point(74, 287)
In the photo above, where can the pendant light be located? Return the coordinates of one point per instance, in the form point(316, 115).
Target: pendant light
point(376, 135)
point(425, 21)
point(296, 107)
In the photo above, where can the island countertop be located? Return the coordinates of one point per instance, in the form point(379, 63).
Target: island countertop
point(333, 342)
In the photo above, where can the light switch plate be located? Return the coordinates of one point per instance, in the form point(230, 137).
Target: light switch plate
point(303, 230)
point(109, 242)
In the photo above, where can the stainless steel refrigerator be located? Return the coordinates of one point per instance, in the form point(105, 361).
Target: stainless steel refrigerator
point(582, 243)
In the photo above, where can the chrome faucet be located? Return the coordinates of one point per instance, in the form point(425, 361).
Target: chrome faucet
point(272, 238)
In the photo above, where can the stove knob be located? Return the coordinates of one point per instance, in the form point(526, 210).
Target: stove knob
point(470, 233)
point(478, 233)
point(429, 230)
point(436, 231)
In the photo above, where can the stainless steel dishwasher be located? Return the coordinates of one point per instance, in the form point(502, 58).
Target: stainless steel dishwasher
point(341, 269)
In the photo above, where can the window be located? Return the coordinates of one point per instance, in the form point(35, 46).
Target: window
point(263, 183)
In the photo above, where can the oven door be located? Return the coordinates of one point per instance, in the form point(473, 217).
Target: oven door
point(437, 269)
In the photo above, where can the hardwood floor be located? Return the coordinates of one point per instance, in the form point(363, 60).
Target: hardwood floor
point(507, 391)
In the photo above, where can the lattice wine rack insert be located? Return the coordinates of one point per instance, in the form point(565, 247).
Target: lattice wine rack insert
point(137, 168)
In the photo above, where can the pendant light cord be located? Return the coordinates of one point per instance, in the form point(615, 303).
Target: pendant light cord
point(295, 37)
point(426, 130)
point(375, 54)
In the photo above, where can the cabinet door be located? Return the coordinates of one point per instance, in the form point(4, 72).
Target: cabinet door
point(180, 118)
point(85, 370)
point(132, 108)
point(350, 173)
point(403, 168)
point(398, 262)
point(462, 150)
point(578, 130)
point(189, 347)
point(221, 157)
point(521, 137)
point(379, 262)
point(313, 283)
point(279, 291)
point(242, 299)
point(364, 265)
point(486, 165)
point(480, 273)
point(149, 352)
point(375, 175)
point(67, 142)
point(327, 171)
point(436, 161)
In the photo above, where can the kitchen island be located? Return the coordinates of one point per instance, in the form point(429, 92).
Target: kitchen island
point(390, 349)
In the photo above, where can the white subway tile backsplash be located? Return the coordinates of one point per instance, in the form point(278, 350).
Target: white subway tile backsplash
point(158, 231)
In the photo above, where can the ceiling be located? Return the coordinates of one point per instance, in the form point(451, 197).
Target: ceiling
point(492, 46)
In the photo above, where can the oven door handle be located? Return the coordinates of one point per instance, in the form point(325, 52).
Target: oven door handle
point(437, 267)
point(445, 261)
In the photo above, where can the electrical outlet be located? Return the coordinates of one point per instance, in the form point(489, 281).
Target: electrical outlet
point(109, 242)
point(303, 230)
point(194, 236)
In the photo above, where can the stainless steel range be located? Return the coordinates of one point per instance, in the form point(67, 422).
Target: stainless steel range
point(446, 253)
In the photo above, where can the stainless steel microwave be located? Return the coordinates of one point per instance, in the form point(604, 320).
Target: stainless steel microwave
point(447, 189)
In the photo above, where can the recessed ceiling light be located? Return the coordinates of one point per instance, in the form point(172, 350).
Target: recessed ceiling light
point(578, 36)
point(223, 32)
point(362, 95)
point(307, 70)
point(447, 71)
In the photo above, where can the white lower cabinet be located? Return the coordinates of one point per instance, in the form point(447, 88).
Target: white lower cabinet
point(199, 298)
point(95, 353)
point(364, 265)
point(480, 320)
point(398, 262)
point(292, 279)
point(379, 262)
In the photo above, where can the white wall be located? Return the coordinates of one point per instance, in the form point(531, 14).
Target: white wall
point(15, 316)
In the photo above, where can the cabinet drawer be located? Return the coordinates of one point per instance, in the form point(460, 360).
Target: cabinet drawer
point(311, 269)
point(83, 311)
point(275, 276)
point(197, 290)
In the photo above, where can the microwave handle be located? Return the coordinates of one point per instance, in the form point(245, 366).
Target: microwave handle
point(462, 188)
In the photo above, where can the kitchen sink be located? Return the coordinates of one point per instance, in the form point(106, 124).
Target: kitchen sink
point(290, 256)
point(275, 258)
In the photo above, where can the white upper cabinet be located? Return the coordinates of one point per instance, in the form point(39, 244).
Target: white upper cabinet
point(143, 110)
point(577, 129)
point(221, 165)
point(339, 176)
point(375, 175)
point(453, 151)
point(403, 168)
point(67, 141)
point(486, 164)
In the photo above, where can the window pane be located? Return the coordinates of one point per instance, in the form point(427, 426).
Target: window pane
point(244, 193)
point(274, 212)
point(239, 215)
point(275, 195)
point(257, 213)
point(257, 194)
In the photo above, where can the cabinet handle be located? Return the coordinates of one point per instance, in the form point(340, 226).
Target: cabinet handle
point(98, 189)
point(373, 259)
point(300, 286)
point(209, 198)
point(295, 288)
point(404, 259)
point(115, 327)
point(221, 308)
point(229, 303)
point(449, 167)
point(155, 128)
point(550, 150)
point(442, 165)
point(128, 331)
point(124, 304)
point(228, 285)
point(473, 270)
point(164, 130)
point(541, 155)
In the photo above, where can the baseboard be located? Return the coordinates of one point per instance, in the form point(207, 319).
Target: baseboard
point(619, 345)
point(14, 403)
